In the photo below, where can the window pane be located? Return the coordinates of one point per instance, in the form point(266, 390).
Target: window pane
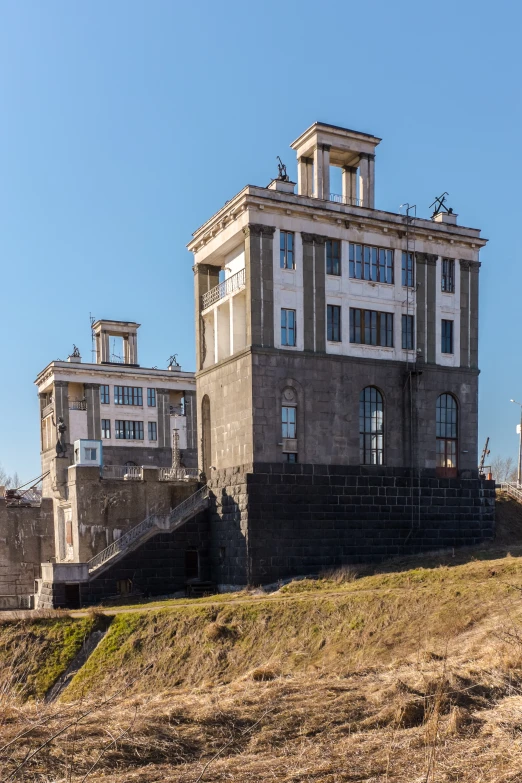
point(351, 258)
point(375, 260)
point(371, 423)
point(389, 266)
point(366, 274)
point(358, 261)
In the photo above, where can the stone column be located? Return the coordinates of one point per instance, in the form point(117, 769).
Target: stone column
point(364, 181)
point(469, 290)
point(474, 268)
point(349, 184)
point(371, 181)
point(314, 306)
point(304, 177)
point(326, 172)
point(92, 397)
point(130, 349)
point(206, 276)
point(190, 414)
point(259, 279)
point(163, 408)
point(431, 308)
point(61, 406)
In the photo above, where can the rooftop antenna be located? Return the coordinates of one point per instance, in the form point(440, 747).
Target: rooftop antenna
point(92, 319)
point(440, 205)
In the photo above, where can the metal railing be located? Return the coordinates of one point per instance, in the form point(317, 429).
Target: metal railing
point(178, 474)
point(228, 286)
point(47, 410)
point(513, 489)
point(77, 405)
point(340, 199)
point(168, 523)
point(122, 472)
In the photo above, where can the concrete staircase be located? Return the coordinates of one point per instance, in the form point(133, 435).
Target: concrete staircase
point(150, 527)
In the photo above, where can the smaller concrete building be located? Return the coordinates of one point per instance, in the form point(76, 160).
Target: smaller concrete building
point(134, 410)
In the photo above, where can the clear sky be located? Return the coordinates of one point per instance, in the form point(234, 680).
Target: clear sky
point(125, 125)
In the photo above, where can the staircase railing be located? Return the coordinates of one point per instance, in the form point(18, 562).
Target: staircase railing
point(169, 522)
point(512, 489)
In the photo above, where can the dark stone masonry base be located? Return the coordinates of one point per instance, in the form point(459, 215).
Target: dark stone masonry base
point(275, 520)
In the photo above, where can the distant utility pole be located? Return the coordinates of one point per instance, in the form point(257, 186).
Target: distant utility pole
point(519, 430)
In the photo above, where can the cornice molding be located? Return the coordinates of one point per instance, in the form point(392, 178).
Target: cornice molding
point(313, 239)
point(258, 229)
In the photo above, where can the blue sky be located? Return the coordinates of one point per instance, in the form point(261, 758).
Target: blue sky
point(125, 125)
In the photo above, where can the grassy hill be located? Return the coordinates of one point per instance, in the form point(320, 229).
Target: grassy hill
point(411, 673)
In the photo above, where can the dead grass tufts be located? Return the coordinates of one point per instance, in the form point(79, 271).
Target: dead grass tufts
point(264, 674)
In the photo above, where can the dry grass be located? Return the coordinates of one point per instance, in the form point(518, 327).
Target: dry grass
point(413, 675)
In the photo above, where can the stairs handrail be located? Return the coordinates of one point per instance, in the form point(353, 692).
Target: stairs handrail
point(177, 516)
point(513, 489)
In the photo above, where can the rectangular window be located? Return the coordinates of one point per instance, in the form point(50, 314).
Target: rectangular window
point(91, 454)
point(128, 395)
point(106, 428)
point(407, 269)
point(153, 431)
point(287, 327)
point(288, 417)
point(290, 457)
point(104, 395)
point(447, 281)
point(151, 398)
point(286, 250)
point(370, 327)
point(370, 263)
point(446, 336)
point(333, 257)
point(407, 332)
point(333, 318)
point(128, 430)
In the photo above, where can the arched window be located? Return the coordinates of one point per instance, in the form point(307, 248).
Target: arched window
point(447, 437)
point(371, 426)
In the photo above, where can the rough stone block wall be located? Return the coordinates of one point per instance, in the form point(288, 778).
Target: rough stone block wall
point(274, 520)
point(26, 540)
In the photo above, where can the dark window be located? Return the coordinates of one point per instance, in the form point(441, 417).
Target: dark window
point(106, 428)
point(446, 336)
point(371, 263)
point(333, 257)
point(370, 327)
point(153, 430)
point(191, 564)
point(407, 269)
point(289, 457)
point(104, 395)
point(333, 317)
point(446, 432)
point(287, 327)
point(288, 421)
point(407, 332)
point(128, 395)
point(128, 430)
point(371, 426)
point(286, 250)
point(447, 281)
point(151, 398)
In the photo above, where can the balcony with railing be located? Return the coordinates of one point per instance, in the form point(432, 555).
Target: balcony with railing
point(178, 474)
point(77, 405)
point(228, 286)
point(338, 198)
point(122, 472)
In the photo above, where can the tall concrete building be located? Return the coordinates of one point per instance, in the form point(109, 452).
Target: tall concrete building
point(337, 370)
